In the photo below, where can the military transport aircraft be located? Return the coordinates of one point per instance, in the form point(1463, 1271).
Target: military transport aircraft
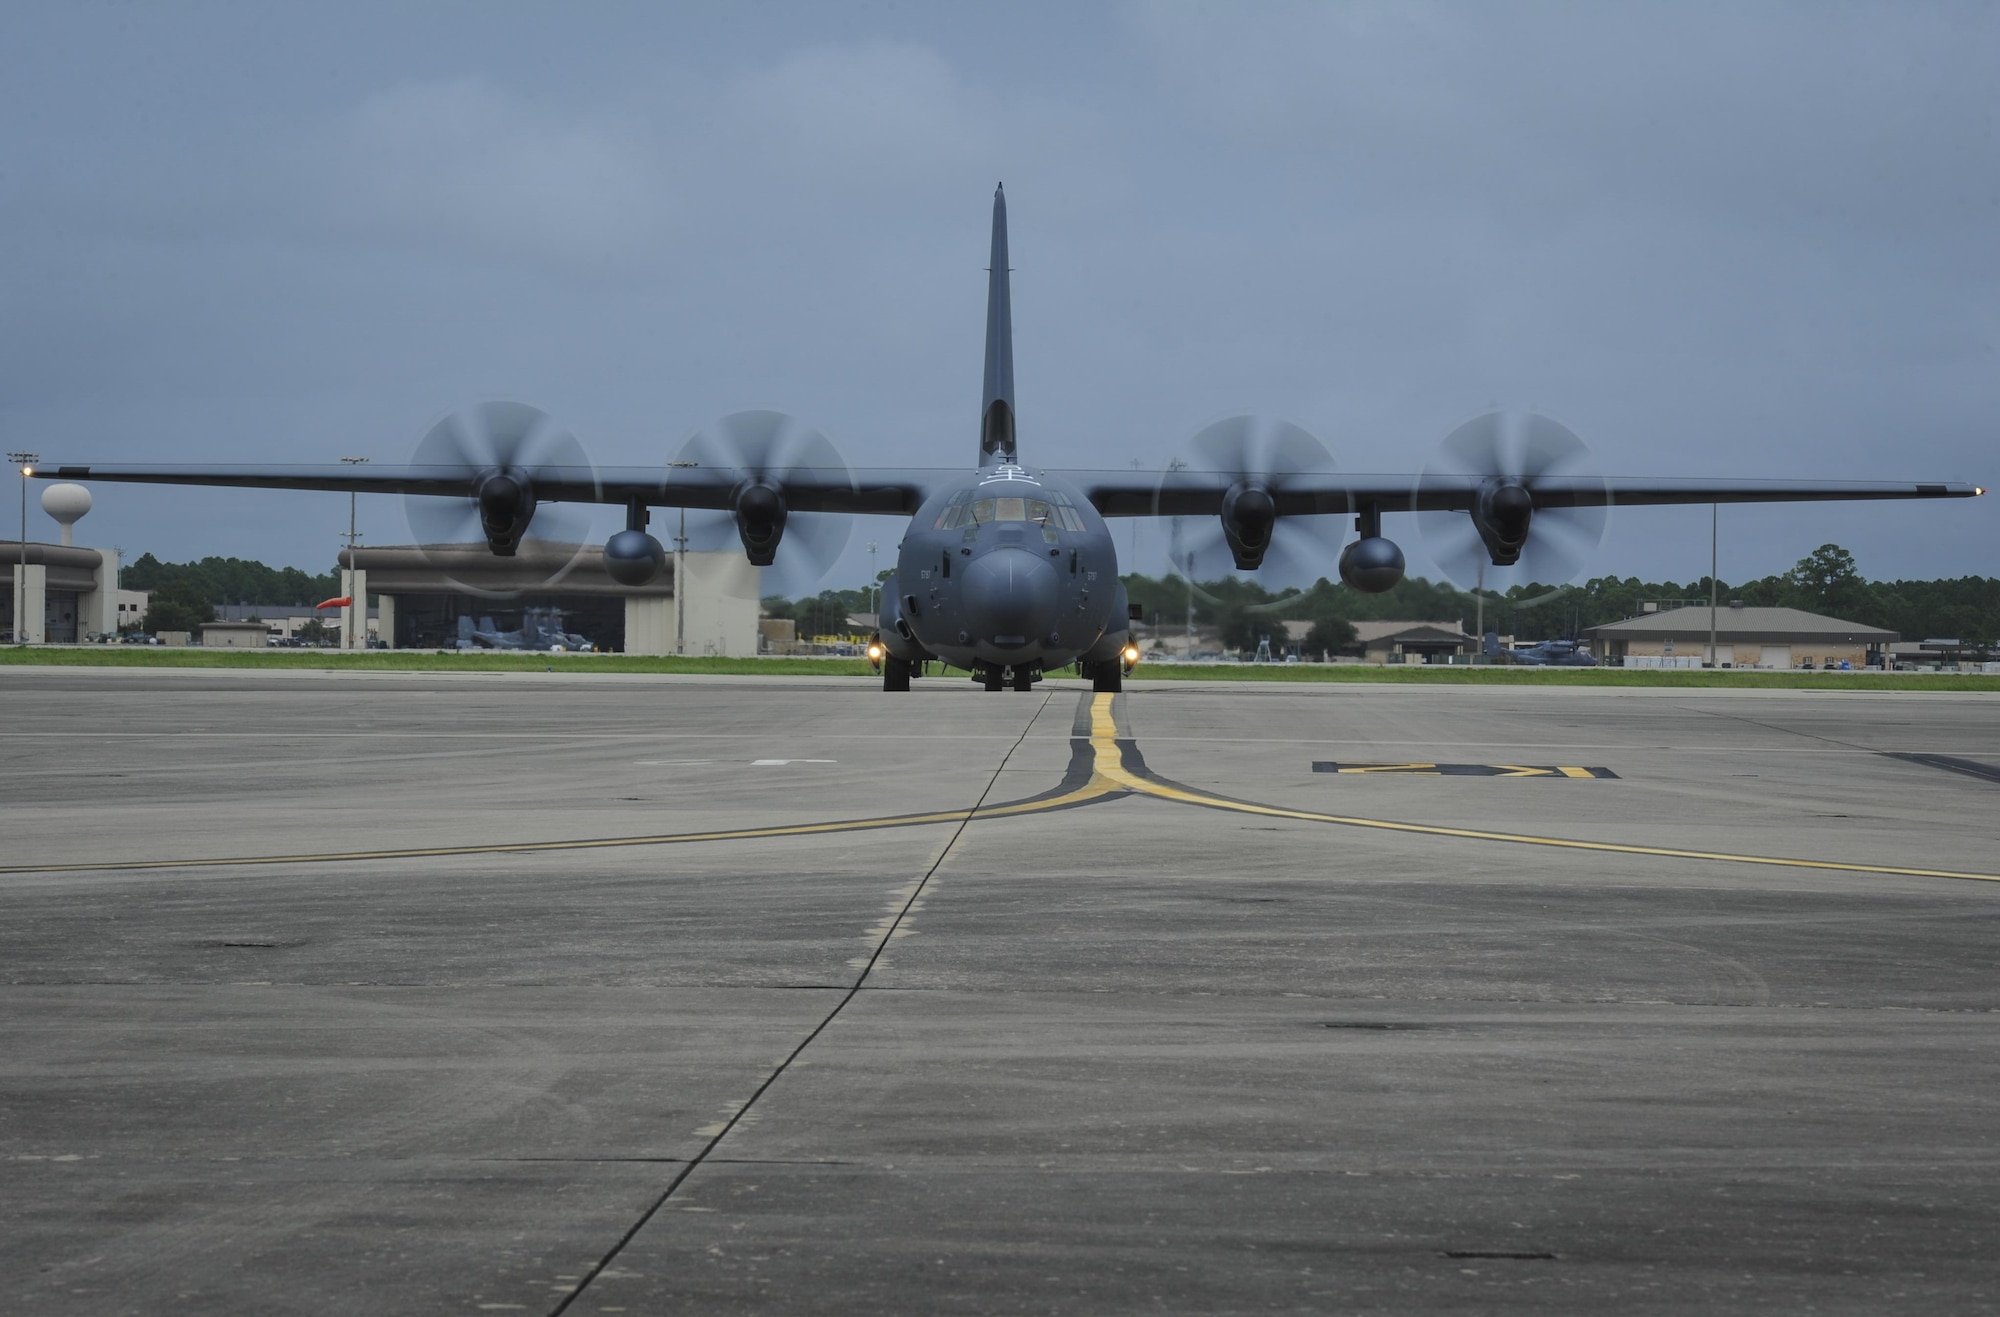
point(1008, 570)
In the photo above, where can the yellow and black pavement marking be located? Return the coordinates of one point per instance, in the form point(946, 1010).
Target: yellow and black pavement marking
point(1103, 766)
point(1466, 770)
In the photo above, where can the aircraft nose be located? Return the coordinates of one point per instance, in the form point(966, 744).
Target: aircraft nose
point(1010, 597)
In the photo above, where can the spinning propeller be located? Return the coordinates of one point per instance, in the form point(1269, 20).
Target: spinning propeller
point(1261, 458)
point(764, 449)
point(506, 452)
point(1512, 536)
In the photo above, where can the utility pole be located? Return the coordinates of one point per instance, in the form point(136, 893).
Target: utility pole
point(1714, 559)
point(355, 634)
point(1479, 594)
point(1189, 654)
point(680, 584)
point(1134, 559)
point(26, 461)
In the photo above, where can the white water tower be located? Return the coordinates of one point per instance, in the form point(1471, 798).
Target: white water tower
point(67, 504)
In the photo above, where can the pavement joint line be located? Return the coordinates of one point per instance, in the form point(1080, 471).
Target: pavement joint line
point(888, 934)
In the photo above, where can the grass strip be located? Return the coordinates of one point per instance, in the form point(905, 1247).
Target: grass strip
point(411, 660)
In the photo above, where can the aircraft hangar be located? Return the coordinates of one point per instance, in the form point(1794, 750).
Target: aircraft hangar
point(423, 592)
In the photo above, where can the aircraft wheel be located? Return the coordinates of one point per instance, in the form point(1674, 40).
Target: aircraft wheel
point(993, 679)
point(1107, 677)
point(895, 673)
point(1024, 679)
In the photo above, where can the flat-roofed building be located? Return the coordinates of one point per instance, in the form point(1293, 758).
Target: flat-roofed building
point(422, 593)
point(234, 635)
point(1745, 637)
point(56, 594)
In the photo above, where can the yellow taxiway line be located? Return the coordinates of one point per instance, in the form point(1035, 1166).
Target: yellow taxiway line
point(1090, 790)
point(1108, 777)
point(1103, 741)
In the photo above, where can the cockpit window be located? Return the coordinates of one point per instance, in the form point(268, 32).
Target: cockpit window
point(979, 512)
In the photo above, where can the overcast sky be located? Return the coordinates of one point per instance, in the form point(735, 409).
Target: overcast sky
point(1734, 241)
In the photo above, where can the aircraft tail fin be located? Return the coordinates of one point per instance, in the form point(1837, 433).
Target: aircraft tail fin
point(1489, 644)
point(996, 419)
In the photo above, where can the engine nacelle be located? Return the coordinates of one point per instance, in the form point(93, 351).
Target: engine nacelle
point(1501, 515)
point(1248, 516)
point(506, 506)
point(632, 557)
point(760, 522)
point(1371, 564)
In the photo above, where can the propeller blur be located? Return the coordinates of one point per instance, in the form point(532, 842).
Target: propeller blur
point(1007, 570)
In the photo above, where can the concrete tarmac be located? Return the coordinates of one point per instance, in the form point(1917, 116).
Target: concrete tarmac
point(1139, 1012)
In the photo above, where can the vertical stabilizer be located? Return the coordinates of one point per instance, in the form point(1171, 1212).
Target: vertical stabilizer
point(996, 418)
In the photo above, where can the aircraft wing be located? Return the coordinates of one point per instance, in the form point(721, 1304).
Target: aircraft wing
point(1200, 494)
point(868, 489)
point(893, 490)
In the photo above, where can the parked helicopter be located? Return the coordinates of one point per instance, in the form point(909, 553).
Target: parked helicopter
point(1542, 654)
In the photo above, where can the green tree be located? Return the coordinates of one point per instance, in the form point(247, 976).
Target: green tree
point(1329, 635)
point(178, 605)
point(1827, 581)
point(233, 580)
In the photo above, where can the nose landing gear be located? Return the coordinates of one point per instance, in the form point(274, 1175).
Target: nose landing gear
point(995, 678)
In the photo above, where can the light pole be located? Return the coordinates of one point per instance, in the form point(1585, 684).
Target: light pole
point(680, 585)
point(1479, 594)
point(874, 586)
point(357, 609)
point(1134, 559)
point(1714, 558)
point(26, 461)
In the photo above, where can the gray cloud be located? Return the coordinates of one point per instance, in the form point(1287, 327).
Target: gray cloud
point(1714, 240)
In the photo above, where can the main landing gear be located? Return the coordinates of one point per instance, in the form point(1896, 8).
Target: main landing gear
point(1104, 677)
point(895, 673)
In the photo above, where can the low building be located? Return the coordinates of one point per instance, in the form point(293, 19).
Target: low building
point(1941, 652)
point(286, 621)
point(235, 635)
point(1413, 642)
point(57, 594)
point(421, 594)
point(777, 635)
point(1745, 637)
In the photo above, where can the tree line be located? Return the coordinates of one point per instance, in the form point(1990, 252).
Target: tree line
point(184, 594)
point(1827, 581)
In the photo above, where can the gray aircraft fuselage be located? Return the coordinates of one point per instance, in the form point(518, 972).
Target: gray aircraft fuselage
point(1012, 569)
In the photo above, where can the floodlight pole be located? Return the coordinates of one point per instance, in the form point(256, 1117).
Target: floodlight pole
point(1135, 530)
point(680, 585)
point(874, 587)
point(355, 608)
point(1479, 594)
point(26, 461)
point(1714, 558)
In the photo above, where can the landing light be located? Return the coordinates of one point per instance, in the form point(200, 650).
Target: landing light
point(876, 653)
point(1131, 656)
